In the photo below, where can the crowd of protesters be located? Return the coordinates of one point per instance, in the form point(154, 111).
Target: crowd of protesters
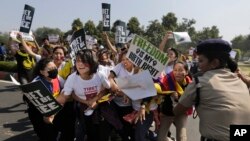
point(222, 93)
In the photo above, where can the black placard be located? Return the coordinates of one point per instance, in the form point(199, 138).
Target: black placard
point(41, 98)
point(27, 18)
point(106, 16)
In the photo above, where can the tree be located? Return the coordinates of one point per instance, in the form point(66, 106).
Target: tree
point(43, 32)
point(90, 28)
point(154, 32)
point(134, 26)
point(169, 22)
point(76, 25)
point(206, 33)
point(4, 38)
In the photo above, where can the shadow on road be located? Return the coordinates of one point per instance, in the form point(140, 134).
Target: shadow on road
point(27, 136)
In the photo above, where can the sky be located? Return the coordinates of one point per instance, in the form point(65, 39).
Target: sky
point(232, 17)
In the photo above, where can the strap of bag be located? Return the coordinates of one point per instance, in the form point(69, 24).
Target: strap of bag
point(197, 98)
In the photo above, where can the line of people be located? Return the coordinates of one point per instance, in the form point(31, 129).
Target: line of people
point(79, 89)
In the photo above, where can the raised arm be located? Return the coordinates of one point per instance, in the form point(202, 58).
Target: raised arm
point(25, 46)
point(110, 46)
point(164, 40)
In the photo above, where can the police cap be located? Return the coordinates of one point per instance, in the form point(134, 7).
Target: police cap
point(213, 45)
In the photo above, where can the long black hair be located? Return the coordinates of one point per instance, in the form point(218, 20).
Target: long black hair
point(41, 65)
point(87, 57)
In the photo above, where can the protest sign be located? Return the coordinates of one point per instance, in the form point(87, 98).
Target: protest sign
point(137, 86)
point(25, 36)
point(106, 16)
point(146, 56)
point(41, 98)
point(27, 18)
point(181, 37)
point(53, 38)
point(120, 32)
point(78, 42)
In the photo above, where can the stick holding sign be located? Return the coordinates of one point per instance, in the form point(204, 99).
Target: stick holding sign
point(41, 98)
point(27, 18)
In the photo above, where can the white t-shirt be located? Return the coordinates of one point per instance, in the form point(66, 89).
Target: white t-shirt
point(85, 89)
point(120, 71)
point(105, 69)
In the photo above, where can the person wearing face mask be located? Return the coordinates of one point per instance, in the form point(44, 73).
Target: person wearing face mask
point(45, 71)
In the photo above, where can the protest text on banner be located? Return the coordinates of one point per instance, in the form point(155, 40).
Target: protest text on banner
point(27, 18)
point(146, 56)
point(41, 98)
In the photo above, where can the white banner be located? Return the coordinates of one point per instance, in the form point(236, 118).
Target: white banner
point(25, 36)
point(181, 37)
point(137, 86)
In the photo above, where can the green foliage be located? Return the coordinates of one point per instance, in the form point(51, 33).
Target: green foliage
point(4, 38)
point(169, 21)
point(238, 54)
point(76, 25)
point(154, 32)
point(242, 42)
point(43, 32)
point(134, 26)
point(90, 28)
point(8, 66)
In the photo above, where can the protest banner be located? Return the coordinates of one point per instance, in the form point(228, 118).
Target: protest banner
point(78, 42)
point(41, 98)
point(25, 36)
point(106, 16)
point(120, 32)
point(181, 37)
point(53, 38)
point(146, 56)
point(137, 86)
point(27, 18)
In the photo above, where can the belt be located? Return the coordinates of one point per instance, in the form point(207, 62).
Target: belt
point(207, 139)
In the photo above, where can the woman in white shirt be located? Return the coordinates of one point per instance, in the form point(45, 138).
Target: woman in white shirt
point(87, 87)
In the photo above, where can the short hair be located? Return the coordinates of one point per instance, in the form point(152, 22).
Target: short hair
point(87, 57)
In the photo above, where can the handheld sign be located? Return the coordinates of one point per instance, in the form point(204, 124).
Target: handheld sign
point(78, 42)
point(120, 32)
point(53, 38)
point(106, 16)
point(41, 98)
point(25, 36)
point(137, 86)
point(146, 56)
point(27, 18)
point(181, 37)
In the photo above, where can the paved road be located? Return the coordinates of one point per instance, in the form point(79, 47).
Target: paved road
point(15, 125)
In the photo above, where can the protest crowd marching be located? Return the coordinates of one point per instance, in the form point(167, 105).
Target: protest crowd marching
point(91, 92)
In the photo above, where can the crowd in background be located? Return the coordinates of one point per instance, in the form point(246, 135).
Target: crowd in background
point(80, 87)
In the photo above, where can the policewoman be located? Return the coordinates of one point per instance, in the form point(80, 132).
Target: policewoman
point(222, 98)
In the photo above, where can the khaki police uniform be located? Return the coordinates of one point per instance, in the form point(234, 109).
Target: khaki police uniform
point(224, 100)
